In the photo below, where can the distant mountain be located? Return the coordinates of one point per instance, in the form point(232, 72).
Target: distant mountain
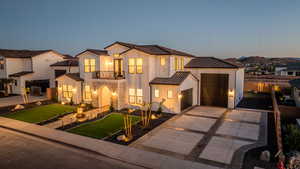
point(264, 60)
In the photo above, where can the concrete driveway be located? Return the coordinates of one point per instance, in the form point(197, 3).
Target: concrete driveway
point(14, 100)
point(208, 135)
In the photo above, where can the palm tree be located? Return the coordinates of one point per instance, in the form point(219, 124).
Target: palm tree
point(6, 83)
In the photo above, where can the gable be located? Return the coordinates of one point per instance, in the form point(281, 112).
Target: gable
point(116, 49)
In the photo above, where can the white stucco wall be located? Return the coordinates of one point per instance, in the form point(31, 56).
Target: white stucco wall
point(239, 92)
point(72, 69)
point(14, 65)
point(171, 105)
point(116, 49)
point(191, 82)
point(87, 55)
point(77, 95)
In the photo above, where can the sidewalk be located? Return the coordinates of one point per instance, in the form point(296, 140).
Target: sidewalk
point(122, 153)
point(14, 100)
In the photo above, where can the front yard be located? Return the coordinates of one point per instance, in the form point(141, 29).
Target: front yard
point(40, 113)
point(107, 126)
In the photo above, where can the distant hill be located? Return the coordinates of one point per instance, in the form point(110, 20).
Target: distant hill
point(264, 60)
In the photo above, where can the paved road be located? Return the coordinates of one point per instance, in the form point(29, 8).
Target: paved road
point(19, 151)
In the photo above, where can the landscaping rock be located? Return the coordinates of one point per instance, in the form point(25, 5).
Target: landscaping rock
point(265, 156)
point(38, 103)
point(18, 107)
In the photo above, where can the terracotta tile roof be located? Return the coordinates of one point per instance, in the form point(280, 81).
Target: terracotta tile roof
point(152, 49)
point(9, 53)
point(176, 79)
point(209, 62)
point(95, 51)
point(19, 74)
point(70, 62)
point(295, 83)
point(74, 76)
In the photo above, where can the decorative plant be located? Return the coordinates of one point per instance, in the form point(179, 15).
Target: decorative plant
point(71, 101)
point(293, 160)
point(127, 125)
point(111, 106)
point(159, 110)
point(292, 138)
point(146, 113)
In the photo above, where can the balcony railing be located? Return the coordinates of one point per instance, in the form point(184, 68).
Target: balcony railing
point(108, 75)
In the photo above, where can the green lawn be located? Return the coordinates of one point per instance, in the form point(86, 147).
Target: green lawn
point(40, 113)
point(103, 127)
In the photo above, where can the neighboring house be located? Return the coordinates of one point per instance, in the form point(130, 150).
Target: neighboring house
point(291, 69)
point(27, 68)
point(128, 74)
point(295, 84)
point(62, 67)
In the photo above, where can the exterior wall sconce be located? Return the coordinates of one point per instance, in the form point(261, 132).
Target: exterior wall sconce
point(59, 88)
point(74, 90)
point(231, 93)
point(179, 96)
point(63, 103)
point(95, 92)
point(114, 93)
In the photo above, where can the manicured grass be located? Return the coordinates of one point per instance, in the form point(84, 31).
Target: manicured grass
point(103, 127)
point(40, 113)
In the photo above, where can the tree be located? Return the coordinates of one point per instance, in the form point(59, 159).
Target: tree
point(6, 83)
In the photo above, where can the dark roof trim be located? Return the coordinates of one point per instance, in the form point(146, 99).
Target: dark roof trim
point(94, 51)
point(11, 53)
point(19, 74)
point(128, 45)
point(176, 79)
point(74, 76)
point(71, 62)
point(210, 62)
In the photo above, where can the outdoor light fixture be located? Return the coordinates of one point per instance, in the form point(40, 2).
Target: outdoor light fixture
point(95, 92)
point(179, 96)
point(231, 93)
point(74, 90)
point(63, 103)
point(114, 94)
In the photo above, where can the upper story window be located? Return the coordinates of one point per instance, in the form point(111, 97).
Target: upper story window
point(179, 63)
point(135, 65)
point(1, 64)
point(162, 60)
point(89, 65)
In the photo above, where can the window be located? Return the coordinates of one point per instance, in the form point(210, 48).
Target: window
point(139, 65)
point(135, 96)
point(132, 96)
point(1, 64)
point(89, 65)
point(67, 91)
point(131, 65)
point(87, 93)
point(170, 94)
point(162, 61)
point(290, 73)
point(135, 65)
point(179, 63)
point(139, 96)
point(156, 92)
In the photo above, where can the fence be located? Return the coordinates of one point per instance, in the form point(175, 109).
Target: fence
point(277, 126)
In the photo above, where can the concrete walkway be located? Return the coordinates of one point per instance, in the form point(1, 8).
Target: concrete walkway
point(14, 100)
point(126, 154)
point(206, 135)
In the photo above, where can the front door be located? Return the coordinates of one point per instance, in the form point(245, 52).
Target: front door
point(118, 67)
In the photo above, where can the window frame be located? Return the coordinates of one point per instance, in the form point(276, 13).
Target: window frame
point(67, 91)
point(156, 93)
point(89, 65)
point(162, 60)
point(131, 67)
point(168, 94)
point(139, 68)
point(179, 63)
point(130, 96)
point(87, 93)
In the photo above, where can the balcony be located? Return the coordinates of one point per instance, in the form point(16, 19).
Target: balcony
point(108, 75)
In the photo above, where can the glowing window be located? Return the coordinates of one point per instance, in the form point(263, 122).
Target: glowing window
point(89, 65)
point(139, 65)
point(131, 65)
point(156, 92)
point(132, 96)
point(179, 63)
point(67, 91)
point(170, 94)
point(87, 93)
point(162, 60)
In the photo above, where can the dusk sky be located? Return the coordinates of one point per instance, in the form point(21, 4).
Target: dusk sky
point(222, 28)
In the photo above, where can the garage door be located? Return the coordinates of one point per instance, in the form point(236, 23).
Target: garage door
point(187, 99)
point(214, 90)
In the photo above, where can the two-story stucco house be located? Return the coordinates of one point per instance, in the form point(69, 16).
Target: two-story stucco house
point(128, 74)
point(28, 67)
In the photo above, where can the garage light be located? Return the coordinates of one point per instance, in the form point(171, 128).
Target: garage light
point(231, 93)
point(179, 96)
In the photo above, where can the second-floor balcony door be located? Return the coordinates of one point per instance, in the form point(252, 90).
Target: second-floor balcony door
point(118, 67)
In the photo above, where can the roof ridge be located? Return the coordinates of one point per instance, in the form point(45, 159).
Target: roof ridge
point(226, 62)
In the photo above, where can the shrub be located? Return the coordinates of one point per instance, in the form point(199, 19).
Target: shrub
point(292, 138)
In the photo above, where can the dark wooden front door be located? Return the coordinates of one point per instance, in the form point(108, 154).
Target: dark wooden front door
point(214, 89)
point(187, 99)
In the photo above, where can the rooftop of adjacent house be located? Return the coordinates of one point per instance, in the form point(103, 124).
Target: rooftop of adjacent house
point(95, 51)
point(295, 83)
point(74, 76)
point(70, 62)
point(176, 79)
point(67, 56)
point(19, 74)
point(152, 49)
point(293, 66)
point(10, 53)
point(210, 62)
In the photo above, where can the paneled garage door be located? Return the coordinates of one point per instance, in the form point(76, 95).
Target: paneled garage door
point(187, 98)
point(214, 90)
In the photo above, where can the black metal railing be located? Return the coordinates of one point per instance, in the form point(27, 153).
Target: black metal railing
point(108, 75)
